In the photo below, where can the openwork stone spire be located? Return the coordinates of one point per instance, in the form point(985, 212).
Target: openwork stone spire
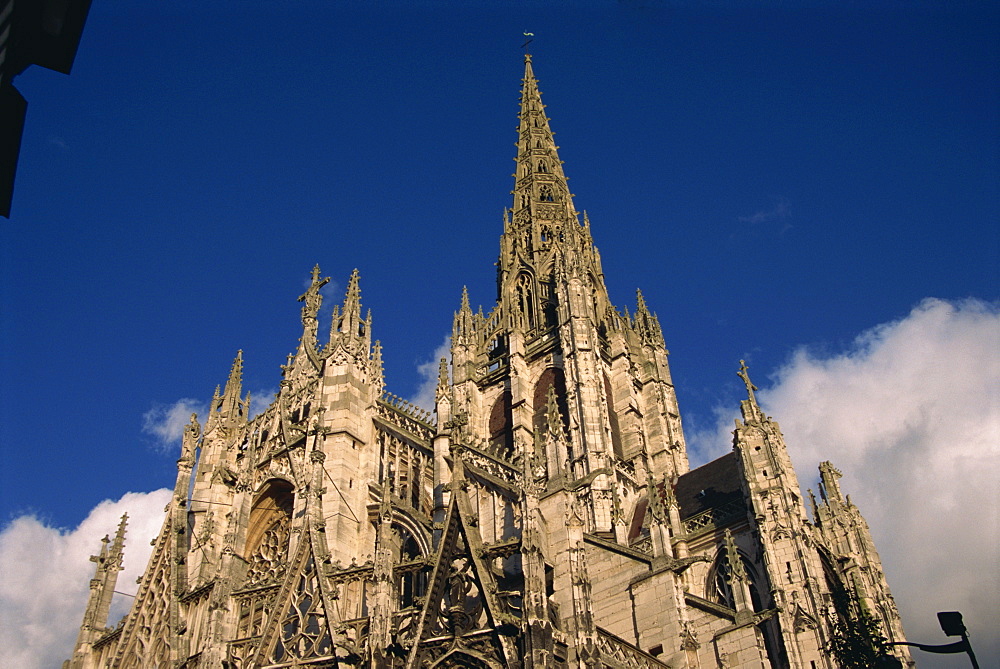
point(542, 215)
point(540, 181)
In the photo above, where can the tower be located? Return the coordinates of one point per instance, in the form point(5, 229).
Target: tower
point(543, 515)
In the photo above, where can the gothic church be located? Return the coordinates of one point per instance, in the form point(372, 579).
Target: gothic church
point(544, 515)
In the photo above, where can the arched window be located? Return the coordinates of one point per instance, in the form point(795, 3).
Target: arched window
point(266, 549)
point(545, 194)
point(525, 300)
point(411, 580)
point(266, 553)
point(719, 587)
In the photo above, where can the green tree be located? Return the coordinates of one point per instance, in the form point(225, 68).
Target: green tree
point(856, 639)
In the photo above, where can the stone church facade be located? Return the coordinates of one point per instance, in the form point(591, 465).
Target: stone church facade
point(544, 515)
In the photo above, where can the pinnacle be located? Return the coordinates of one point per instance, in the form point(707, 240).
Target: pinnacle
point(640, 302)
point(354, 284)
point(352, 299)
point(235, 375)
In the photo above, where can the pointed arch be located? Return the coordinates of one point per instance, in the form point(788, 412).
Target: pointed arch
point(410, 548)
point(268, 533)
point(501, 425)
point(524, 298)
point(298, 626)
point(462, 599)
point(554, 378)
point(638, 527)
point(718, 585)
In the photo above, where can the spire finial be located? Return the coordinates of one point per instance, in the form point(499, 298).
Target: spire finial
point(465, 299)
point(528, 38)
point(312, 298)
point(378, 374)
point(553, 417)
point(743, 374)
point(349, 320)
point(640, 301)
point(119, 544)
point(235, 381)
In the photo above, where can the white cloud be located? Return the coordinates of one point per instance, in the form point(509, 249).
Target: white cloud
point(47, 571)
point(911, 416)
point(166, 422)
point(260, 400)
point(428, 371)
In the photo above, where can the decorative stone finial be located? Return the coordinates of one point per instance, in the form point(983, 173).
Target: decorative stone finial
point(743, 374)
point(312, 298)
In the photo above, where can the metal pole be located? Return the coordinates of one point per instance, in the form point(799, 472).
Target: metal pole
point(968, 649)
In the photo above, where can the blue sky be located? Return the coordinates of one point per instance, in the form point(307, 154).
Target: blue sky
point(772, 175)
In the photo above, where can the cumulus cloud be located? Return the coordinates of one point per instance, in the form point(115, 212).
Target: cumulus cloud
point(47, 571)
point(428, 371)
point(910, 413)
point(166, 422)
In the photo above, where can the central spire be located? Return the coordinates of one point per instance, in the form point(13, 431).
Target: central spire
point(540, 189)
point(542, 225)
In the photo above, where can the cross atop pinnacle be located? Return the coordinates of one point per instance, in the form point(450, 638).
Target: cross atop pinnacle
point(743, 374)
point(312, 297)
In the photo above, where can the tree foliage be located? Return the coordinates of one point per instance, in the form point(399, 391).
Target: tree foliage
point(856, 638)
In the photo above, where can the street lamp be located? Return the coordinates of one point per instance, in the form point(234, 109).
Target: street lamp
point(952, 625)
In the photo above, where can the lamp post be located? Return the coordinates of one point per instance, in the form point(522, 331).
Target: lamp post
point(952, 625)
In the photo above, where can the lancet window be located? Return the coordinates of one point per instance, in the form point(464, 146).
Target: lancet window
point(501, 419)
point(411, 578)
point(405, 469)
point(525, 299)
point(720, 586)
